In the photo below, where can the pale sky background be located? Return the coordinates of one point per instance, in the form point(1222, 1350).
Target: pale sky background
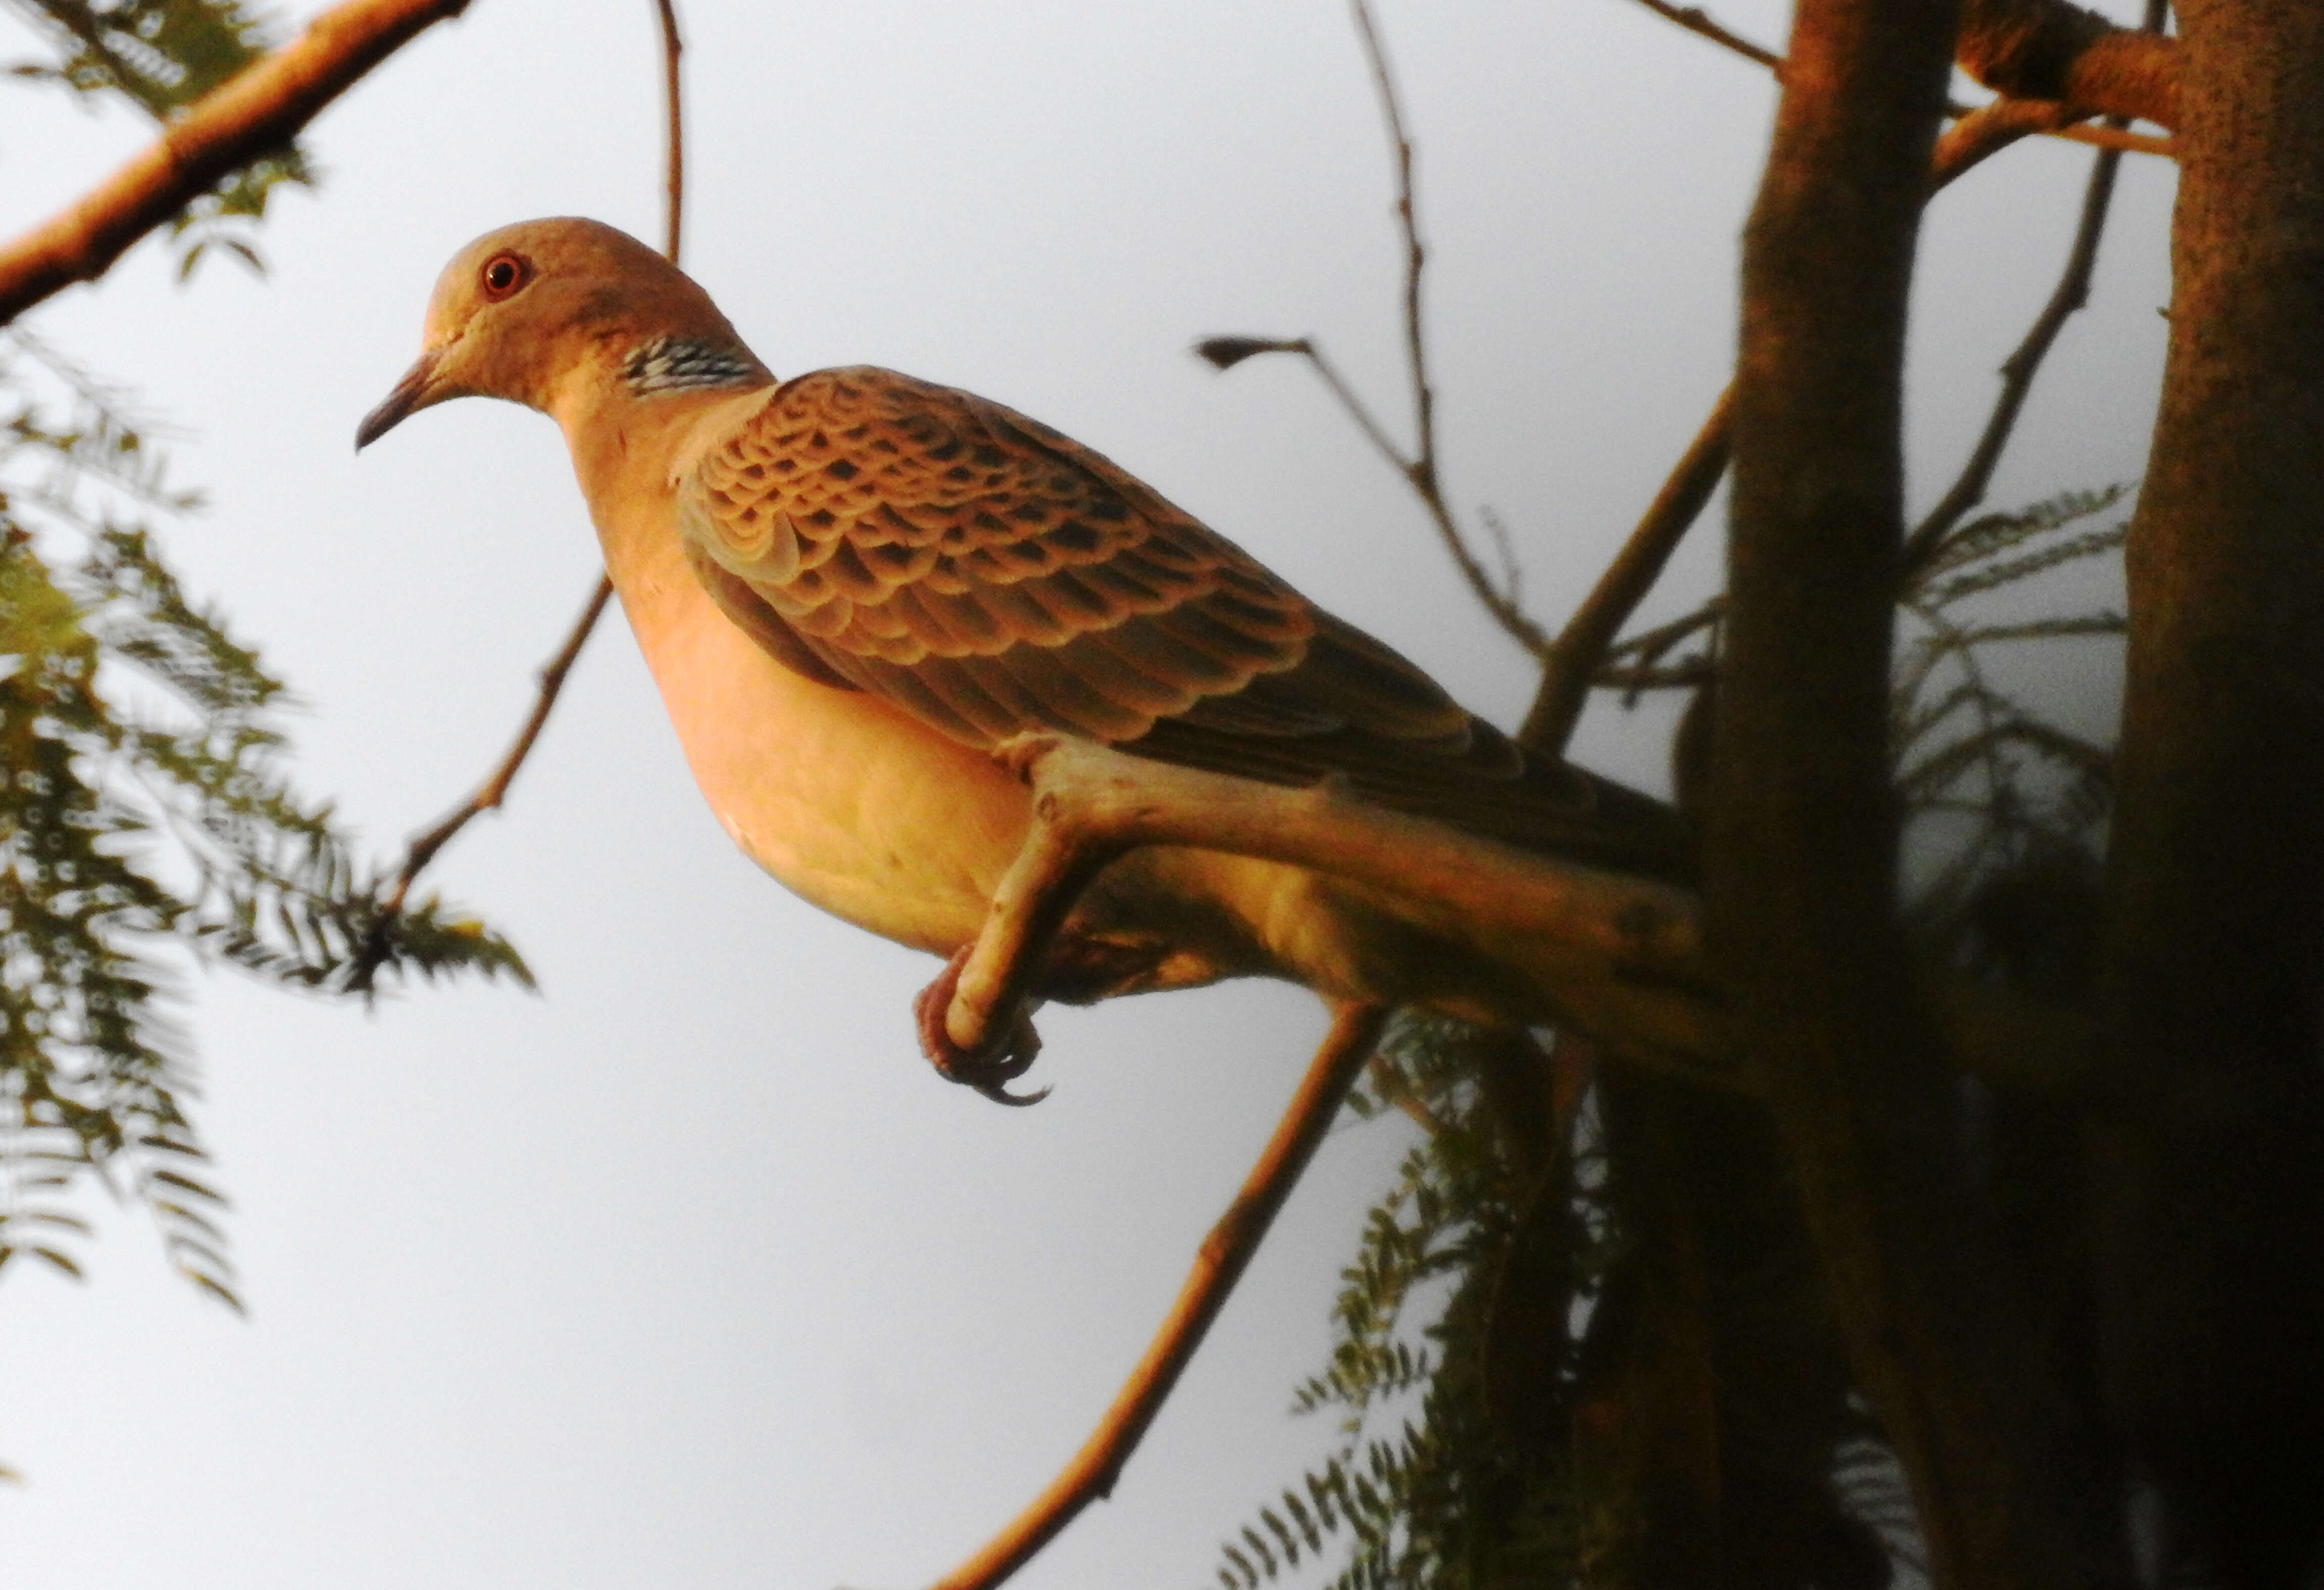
point(689, 1272)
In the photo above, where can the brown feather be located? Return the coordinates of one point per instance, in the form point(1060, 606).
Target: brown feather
point(991, 577)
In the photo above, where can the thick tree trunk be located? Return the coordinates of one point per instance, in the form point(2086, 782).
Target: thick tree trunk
point(2208, 1146)
point(1800, 852)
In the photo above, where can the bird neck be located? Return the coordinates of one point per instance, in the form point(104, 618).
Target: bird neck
point(629, 446)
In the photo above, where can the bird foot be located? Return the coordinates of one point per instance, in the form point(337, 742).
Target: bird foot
point(1003, 1056)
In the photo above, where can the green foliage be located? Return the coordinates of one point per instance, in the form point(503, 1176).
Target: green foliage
point(1420, 1488)
point(163, 55)
point(144, 815)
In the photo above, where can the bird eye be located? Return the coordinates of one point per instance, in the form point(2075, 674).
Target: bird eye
point(502, 274)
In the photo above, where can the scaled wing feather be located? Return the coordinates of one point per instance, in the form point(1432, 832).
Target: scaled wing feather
point(992, 576)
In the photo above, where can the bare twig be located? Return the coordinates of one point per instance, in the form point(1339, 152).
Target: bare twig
point(1225, 1254)
point(488, 797)
point(1582, 645)
point(1983, 133)
point(674, 103)
point(2018, 371)
point(2108, 137)
point(495, 788)
point(256, 112)
point(1695, 20)
point(1647, 647)
point(1421, 469)
point(1991, 128)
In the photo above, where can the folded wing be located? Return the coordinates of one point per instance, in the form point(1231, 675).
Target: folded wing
point(992, 576)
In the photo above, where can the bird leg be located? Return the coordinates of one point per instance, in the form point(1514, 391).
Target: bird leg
point(976, 1020)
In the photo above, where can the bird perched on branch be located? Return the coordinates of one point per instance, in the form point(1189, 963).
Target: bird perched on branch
point(853, 585)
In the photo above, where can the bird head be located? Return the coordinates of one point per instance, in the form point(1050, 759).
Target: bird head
point(543, 312)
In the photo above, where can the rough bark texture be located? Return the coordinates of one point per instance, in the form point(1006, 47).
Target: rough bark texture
point(2209, 1198)
point(1802, 842)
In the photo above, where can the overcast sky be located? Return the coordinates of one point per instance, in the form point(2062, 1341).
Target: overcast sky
point(689, 1272)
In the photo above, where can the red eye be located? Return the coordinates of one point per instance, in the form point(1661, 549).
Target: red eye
point(502, 274)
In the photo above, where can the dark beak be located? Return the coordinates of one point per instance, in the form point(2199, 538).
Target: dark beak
point(411, 395)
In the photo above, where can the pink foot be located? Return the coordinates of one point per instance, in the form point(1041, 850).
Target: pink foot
point(1000, 1061)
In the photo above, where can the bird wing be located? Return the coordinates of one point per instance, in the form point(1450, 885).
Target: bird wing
point(992, 576)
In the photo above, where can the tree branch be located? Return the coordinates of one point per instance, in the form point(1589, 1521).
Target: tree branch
point(1602, 954)
point(1582, 645)
point(379, 945)
point(2018, 371)
point(2037, 50)
point(1610, 954)
point(1695, 20)
point(2053, 50)
point(1966, 145)
point(673, 93)
point(1421, 469)
point(1801, 844)
point(1224, 1255)
point(257, 111)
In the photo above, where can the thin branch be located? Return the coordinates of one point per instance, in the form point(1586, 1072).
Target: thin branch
point(1967, 144)
point(2018, 371)
point(257, 112)
point(1415, 346)
point(1645, 648)
point(1695, 20)
point(487, 797)
point(1313, 352)
point(673, 92)
point(1421, 468)
point(2039, 50)
point(1581, 646)
point(495, 788)
point(1224, 1255)
point(2109, 136)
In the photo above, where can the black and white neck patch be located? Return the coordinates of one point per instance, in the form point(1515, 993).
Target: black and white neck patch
point(671, 363)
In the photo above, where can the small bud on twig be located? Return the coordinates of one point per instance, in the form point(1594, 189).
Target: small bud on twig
point(1227, 352)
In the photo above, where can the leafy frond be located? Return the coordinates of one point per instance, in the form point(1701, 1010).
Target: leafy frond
point(1416, 1489)
point(2006, 807)
point(145, 813)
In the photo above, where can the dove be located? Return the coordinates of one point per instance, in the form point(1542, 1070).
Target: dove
point(852, 585)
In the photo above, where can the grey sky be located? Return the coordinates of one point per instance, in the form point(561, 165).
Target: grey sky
point(689, 1272)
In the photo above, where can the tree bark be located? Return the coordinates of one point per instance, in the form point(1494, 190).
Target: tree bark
point(2210, 1203)
point(1800, 832)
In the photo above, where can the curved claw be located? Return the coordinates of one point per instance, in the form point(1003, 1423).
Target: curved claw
point(989, 1070)
point(999, 1094)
